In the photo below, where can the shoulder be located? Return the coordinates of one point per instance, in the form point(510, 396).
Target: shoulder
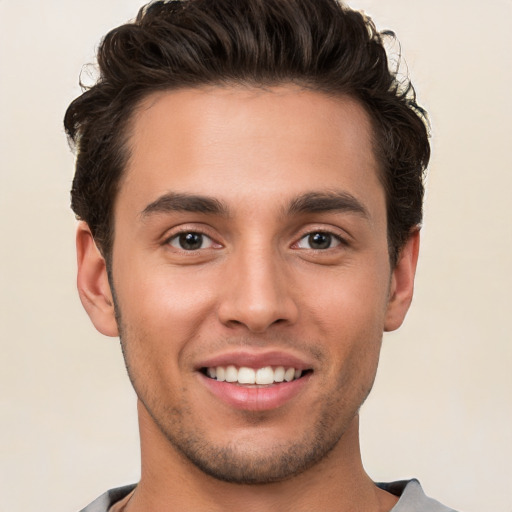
point(412, 497)
point(106, 500)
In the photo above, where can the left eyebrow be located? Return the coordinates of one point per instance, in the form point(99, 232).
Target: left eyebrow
point(318, 202)
point(175, 202)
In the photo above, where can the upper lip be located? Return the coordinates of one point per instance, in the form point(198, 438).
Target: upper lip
point(256, 360)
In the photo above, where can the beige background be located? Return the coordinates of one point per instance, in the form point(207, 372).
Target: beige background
point(442, 406)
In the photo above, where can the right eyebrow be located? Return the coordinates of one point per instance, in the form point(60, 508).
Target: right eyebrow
point(330, 201)
point(180, 202)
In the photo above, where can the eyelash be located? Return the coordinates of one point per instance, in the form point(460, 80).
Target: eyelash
point(183, 233)
point(176, 238)
point(337, 239)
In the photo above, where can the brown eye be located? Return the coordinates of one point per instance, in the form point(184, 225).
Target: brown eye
point(318, 241)
point(191, 241)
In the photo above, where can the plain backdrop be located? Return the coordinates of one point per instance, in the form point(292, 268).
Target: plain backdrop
point(441, 409)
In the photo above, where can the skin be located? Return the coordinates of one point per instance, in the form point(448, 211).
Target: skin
point(256, 284)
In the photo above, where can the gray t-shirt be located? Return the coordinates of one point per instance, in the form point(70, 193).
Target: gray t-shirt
point(412, 498)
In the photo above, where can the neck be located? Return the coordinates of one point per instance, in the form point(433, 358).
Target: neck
point(169, 481)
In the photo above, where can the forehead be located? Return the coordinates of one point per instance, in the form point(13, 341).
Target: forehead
point(250, 143)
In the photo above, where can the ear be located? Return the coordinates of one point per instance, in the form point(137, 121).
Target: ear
point(402, 283)
point(92, 283)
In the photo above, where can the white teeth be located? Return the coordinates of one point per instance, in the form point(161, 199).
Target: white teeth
point(279, 374)
point(245, 375)
point(220, 373)
point(289, 374)
point(231, 374)
point(265, 375)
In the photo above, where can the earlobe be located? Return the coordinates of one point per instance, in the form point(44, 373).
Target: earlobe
point(92, 283)
point(402, 283)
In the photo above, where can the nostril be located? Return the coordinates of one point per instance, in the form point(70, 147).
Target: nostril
point(234, 323)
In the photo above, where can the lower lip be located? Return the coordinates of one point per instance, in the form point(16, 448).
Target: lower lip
point(255, 398)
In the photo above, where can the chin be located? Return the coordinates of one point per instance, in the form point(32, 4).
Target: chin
point(256, 456)
point(252, 466)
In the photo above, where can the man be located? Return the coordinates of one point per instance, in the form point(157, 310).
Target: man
point(249, 189)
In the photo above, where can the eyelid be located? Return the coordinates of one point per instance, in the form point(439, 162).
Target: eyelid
point(335, 241)
point(176, 238)
point(340, 236)
point(175, 232)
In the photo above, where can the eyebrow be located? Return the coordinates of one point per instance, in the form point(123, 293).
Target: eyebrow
point(179, 202)
point(318, 202)
point(310, 202)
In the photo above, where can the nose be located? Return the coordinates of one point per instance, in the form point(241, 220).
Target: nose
point(258, 292)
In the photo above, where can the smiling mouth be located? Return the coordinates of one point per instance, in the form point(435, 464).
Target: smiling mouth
point(246, 376)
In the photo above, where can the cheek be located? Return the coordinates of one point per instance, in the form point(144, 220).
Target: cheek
point(164, 308)
point(354, 296)
point(349, 312)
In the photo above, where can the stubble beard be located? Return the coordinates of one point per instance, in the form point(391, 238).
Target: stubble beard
point(243, 462)
point(244, 465)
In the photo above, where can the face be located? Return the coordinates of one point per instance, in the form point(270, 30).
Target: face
point(251, 274)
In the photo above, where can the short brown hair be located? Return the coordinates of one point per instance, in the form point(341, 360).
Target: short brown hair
point(318, 44)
